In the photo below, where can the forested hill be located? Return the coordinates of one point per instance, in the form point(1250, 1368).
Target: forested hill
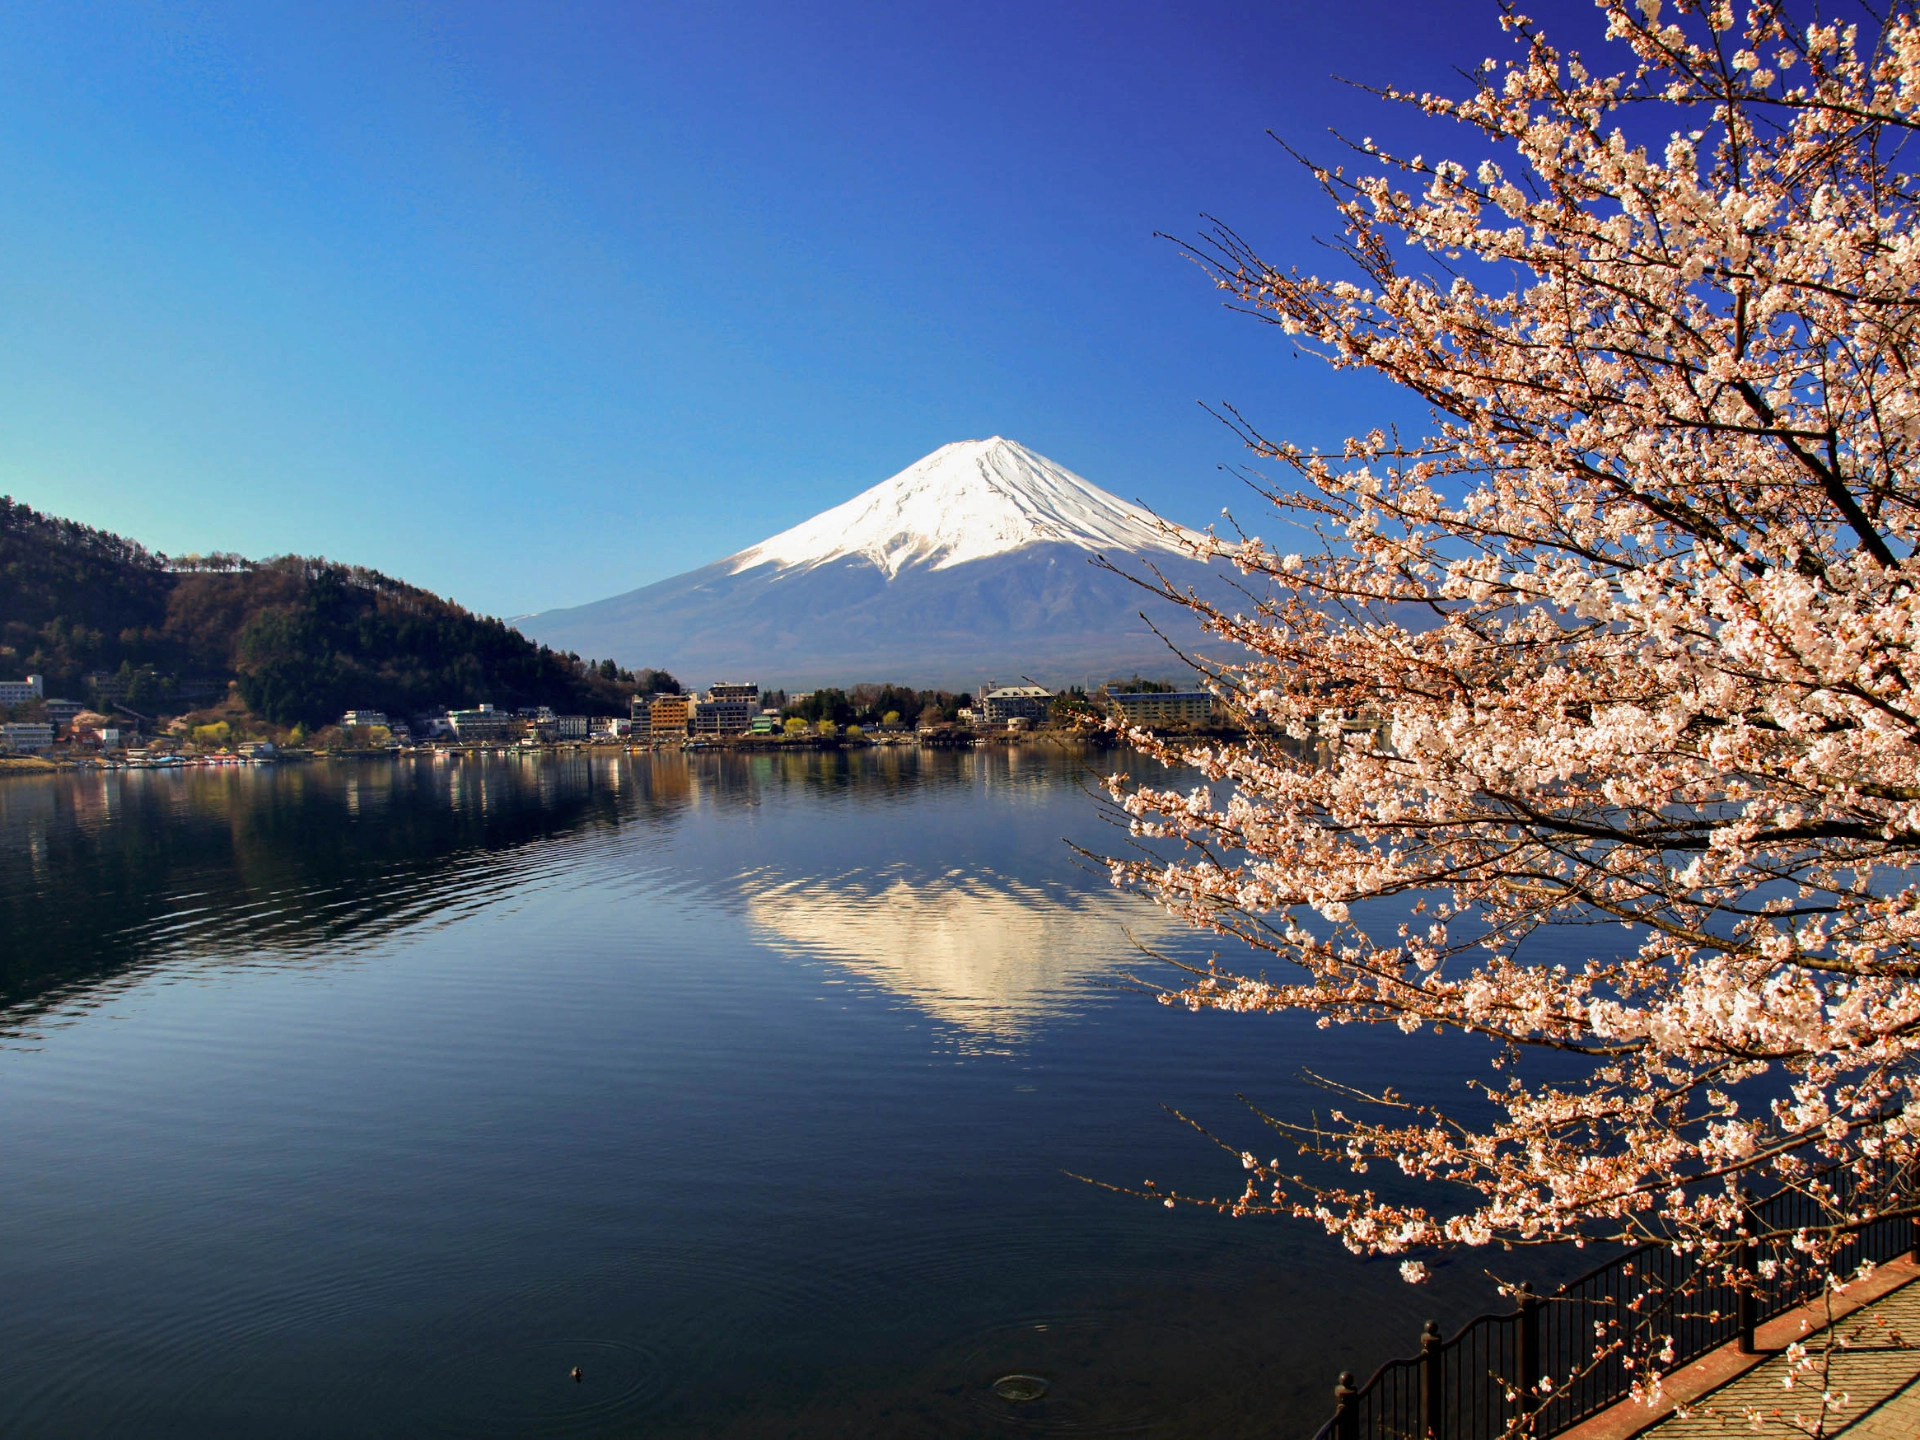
point(305, 639)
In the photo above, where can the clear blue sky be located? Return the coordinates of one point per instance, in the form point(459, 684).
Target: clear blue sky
point(535, 303)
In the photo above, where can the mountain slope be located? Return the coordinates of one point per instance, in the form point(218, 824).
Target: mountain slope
point(305, 639)
point(973, 561)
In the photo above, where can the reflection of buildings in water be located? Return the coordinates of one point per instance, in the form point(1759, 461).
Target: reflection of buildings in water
point(983, 952)
point(669, 779)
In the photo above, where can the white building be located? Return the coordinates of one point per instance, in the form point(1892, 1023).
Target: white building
point(365, 717)
point(1024, 702)
point(27, 737)
point(18, 692)
point(484, 724)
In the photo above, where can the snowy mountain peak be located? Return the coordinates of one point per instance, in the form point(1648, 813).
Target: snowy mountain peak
point(965, 501)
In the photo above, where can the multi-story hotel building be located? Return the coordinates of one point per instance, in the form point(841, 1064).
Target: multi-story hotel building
point(1013, 702)
point(483, 725)
point(1165, 707)
point(668, 716)
point(25, 737)
point(728, 709)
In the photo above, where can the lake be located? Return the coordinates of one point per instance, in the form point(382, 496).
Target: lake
point(373, 1098)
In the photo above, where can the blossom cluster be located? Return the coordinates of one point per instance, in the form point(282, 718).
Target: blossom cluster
point(1632, 637)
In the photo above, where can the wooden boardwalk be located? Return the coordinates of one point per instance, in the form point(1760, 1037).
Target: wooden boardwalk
point(1876, 1367)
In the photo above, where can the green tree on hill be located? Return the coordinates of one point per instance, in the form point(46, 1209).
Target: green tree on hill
point(304, 638)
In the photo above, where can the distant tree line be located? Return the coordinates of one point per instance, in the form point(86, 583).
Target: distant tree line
point(648, 682)
point(868, 705)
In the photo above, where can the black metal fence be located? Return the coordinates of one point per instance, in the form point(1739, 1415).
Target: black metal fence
point(1586, 1340)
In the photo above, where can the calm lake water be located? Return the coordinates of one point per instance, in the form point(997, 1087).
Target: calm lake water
point(371, 1099)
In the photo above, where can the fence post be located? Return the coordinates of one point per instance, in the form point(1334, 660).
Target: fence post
point(1346, 1414)
point(1433, 1383)
point(1529, 1314)
point(1748, 1296)
point(1906, 1192)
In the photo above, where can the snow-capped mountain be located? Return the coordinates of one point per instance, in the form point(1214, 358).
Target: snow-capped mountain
point(964, 502)
point(973, 561)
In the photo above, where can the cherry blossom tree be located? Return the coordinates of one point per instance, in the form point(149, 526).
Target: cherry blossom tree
point(1628, 638)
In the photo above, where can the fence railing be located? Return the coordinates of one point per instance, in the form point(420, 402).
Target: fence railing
point(1476, 1385)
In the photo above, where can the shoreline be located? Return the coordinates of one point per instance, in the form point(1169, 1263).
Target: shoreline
point(721, 745)
point(716, 744)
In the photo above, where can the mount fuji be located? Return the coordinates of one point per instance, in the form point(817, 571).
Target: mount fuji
point(973, 561)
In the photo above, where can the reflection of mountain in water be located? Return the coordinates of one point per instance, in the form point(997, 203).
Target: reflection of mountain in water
point(105, 876)
point(989, 954)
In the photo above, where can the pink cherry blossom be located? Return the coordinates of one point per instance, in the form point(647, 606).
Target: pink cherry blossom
point(1631, 637)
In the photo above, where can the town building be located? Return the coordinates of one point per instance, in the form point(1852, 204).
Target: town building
point(361, 726)
point(482, 725)
point(1024, 702)
point(612, 727)
point(668, 716)
point(109, 687)
point(728, 709)
point(571, 727)
point(1165, 707)
point(61, 713)
point(27, 737)
point(767, 722)
point(18, 692)
point(640, 713)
